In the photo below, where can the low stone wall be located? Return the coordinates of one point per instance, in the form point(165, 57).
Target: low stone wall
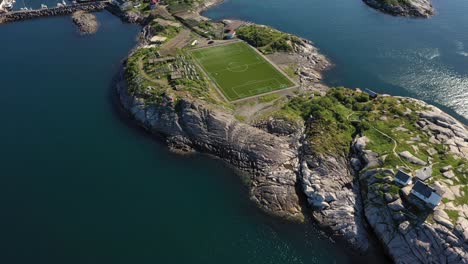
point(56, 11)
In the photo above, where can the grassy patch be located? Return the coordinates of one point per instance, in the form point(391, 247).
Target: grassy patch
point(266, 39)
point(328, 128)
point(464, 199)
point(268, 98)
point(291, 71)
point(240, 118)
point(453, 215)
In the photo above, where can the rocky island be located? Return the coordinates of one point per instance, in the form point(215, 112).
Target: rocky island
point(87, 23)
point(339, 149)
point(410, 8)
point(360, 164)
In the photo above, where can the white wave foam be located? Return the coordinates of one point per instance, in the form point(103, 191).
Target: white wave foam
point(461, 48)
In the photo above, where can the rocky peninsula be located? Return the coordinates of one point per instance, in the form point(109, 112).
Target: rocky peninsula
point(338, 149)
point(410, 8)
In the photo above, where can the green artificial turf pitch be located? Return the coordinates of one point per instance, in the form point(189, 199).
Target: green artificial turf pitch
point(239, 71)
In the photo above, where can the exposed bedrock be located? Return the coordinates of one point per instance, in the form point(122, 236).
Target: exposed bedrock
point(332, 191)
point(87, 23)
point(271, 161)
point(410, 8)
point(408, 232)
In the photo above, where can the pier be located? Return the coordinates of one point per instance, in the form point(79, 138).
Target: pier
point(20, 15)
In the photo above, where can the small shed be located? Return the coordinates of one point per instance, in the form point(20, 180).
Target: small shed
point(403, 178)
point(426, 193)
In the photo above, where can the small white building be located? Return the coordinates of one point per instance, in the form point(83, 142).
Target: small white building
point(426, 193)
point(158, 39)
point(403, 178)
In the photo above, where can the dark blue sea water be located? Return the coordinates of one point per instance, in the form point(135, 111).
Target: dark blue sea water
point(423, 58)
point(80, 184)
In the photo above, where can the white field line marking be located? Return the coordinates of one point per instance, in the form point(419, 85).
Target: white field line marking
point(252, 82)
point(248, 66)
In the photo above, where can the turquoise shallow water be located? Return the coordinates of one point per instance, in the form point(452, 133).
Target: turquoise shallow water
point(425, 59)
point(79, 184)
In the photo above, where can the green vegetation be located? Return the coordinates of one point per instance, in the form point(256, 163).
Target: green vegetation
point(328, 127)
point(138, 84)
point(166, 31)
point(240, 118)
point(453, 215)
point(207, 29)
point(268, 98)
point(239, 71)
point(291, 71)
point(149, 77)
point(266, 39)
point(390, 123)
point(177, 6)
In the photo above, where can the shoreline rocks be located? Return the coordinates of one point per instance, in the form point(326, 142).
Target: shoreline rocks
point(409, 8)
point(271, 161)
point(87, 23)
point(409, 232)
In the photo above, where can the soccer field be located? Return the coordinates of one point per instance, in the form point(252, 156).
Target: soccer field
point(239, 71)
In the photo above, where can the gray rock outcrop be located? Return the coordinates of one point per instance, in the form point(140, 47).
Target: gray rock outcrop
point(270, 160)
point(409, 237)
point(412, 8)
point(330, 186)
point(87, 23)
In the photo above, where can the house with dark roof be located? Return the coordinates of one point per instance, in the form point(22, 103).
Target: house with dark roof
point(403, 178)
point(426, 193)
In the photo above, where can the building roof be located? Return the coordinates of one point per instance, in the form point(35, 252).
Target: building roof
point(158, 39)
point(402, 176)
point(423, 189)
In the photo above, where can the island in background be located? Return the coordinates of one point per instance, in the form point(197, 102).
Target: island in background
point(410, 8)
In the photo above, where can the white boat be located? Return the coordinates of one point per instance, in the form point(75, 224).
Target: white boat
point(43, 6)
point(64, 3)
